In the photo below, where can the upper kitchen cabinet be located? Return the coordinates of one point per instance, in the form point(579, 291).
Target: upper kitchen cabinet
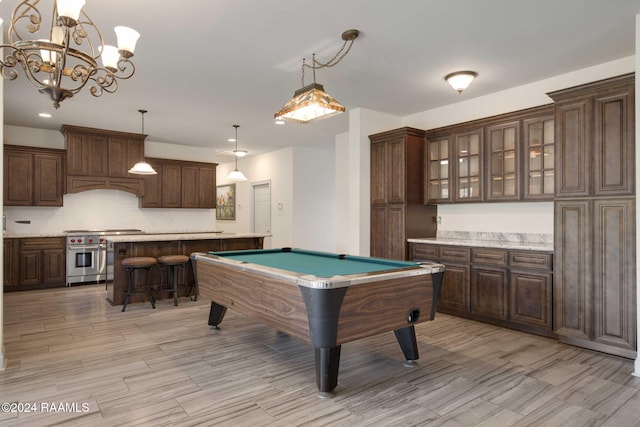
point(468, 160)
point(503, 158)
point(397, 209)
point(396, 158)
point(438, 175)
point(594, 126)
point(33, 176)
point(539, 158)
point(99, 159)
point(503, 153)
point(180, 184)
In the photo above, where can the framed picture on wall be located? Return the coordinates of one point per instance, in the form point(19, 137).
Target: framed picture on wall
point(226, 201)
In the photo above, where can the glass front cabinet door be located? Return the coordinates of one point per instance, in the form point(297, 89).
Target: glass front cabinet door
point(468, 157)
point(539, 158)
point(503, 178)
point(438, 170)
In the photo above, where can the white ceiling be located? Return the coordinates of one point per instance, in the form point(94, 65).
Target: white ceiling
point(204, 65)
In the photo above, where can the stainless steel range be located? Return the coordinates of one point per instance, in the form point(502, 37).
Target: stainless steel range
point(87, 254)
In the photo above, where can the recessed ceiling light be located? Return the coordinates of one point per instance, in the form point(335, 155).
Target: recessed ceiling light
point(45, 115)
point(231, 140)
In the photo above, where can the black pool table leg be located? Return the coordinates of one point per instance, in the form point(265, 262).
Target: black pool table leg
point(216, 314)
point(407, 339)
point(327, 364)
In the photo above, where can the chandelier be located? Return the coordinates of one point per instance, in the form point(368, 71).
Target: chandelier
point(61, 59)
point(311, 102)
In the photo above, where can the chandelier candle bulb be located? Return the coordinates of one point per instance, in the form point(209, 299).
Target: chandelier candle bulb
point(70, 9)
point(127, 39)
point(110, 58)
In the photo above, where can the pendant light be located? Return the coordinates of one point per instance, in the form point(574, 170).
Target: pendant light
point(235, 174)
point(142, 167)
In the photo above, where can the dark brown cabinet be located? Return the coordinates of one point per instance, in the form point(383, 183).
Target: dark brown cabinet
point(594, 284)
point(397, 209)
point(539, 158)
point(496, 159)
point(99, 159)
point(511, 288)
point(32, 263)
point(33, 176)
point(503, 154)
point(595, 275)
point(595, 143)
point(180, 184)
point(468, 156)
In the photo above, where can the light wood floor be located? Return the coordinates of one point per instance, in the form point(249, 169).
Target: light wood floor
point(167, 367)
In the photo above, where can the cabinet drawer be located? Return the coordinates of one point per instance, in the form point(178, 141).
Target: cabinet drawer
point(458, 254)
point(489, 256)
point(422, 252)
point(42, 243)
point(537, 260)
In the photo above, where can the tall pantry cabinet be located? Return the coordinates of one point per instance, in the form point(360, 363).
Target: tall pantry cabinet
point(397, 209)
point(594, 278)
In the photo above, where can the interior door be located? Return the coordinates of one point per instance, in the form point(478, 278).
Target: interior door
point(262, 207)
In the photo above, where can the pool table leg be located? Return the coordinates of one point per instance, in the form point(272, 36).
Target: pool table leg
point(216, 314)
point(407, 339)
point(327, 364)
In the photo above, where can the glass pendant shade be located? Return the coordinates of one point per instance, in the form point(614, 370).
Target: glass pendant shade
point(236, 175)
point(309, 104)
point(142, 168)
point(110, 57)
point(127, 39)
point(70, 8)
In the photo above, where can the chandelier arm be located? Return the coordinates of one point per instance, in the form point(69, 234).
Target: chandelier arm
point(7, 64)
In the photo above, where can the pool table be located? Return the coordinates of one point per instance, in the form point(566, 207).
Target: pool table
point(322, 298)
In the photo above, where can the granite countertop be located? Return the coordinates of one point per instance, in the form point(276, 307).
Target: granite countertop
point(27, 235)
point(523, 241)
point(159, 237)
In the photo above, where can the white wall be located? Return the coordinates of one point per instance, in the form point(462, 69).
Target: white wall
point(637, 65)
point(314, 198)
point(303, 199)
point(276, 167)
point(3, 361)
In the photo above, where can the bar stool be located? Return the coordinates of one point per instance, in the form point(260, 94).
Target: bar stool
point(173, 262)
point(133, 264)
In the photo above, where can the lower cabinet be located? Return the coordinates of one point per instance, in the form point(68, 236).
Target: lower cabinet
point(32, 263)
point(499, 286)
point(595, 300)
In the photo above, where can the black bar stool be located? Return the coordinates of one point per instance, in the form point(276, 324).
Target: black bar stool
point(173, 262)
point(132, 265)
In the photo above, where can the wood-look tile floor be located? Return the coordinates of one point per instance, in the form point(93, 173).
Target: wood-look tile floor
point(168, 367)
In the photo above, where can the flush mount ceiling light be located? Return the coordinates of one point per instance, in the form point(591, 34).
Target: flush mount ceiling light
point(235, 174)
point(311, 102)
point(61, 59)
point(142, 167)
point(460, 80)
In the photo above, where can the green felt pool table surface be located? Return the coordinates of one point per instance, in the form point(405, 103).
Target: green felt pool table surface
point(319, 264)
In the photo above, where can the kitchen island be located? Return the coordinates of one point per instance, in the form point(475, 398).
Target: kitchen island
point(156, 245)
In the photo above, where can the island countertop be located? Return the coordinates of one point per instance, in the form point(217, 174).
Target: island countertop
point(163, 237)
